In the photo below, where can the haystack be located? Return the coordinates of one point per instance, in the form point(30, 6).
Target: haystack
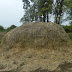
point(37, 35)
point(35, 47)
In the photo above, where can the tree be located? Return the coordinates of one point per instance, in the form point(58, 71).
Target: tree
point(30, 15)
point(40, 10)
point(45, 8)
point(26, 4)
point(70, 16)
point(58, 10)
point(68, 4)
point(35, 11)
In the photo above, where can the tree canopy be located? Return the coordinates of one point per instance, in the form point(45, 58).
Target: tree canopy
point(40, 10)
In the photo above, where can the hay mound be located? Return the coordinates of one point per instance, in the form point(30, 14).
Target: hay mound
point(37, 35)
point(35, 47)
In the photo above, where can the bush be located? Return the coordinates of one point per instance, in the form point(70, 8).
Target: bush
point(1, 28)
point(67, 28)
point(10, 28)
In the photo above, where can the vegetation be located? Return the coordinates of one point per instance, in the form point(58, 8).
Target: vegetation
point(43, 10)
point(58, 10)
point(68, 3)
point(10, 28)
point(4, 31)
point(37, 11)
point(68, 29)
point(1, 28)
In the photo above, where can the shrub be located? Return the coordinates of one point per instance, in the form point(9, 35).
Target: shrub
point(10, 28)
point(67, 28)
point(1, 28)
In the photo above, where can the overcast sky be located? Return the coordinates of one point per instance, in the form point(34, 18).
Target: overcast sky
point(10, 12)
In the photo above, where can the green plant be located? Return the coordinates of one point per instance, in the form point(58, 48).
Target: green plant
point(10, 28)
point(68, 29)
point(1, 28)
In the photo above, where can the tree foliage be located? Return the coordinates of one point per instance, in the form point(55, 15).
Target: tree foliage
point(45, 8)
point(39, 10)
point(58, 10)
point(35, 11)
point(31, 14)
point(68, 4)
point(26, 4)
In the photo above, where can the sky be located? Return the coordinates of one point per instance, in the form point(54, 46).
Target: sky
point(11, 11)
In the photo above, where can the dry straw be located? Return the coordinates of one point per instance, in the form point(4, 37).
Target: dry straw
point(37, 35)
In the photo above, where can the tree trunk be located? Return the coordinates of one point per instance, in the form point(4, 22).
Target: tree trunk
point(47, 17)
point(44, 17)
point(58, 11)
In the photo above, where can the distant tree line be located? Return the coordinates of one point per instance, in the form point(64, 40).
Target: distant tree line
point(43, 10)
point(2, 29)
